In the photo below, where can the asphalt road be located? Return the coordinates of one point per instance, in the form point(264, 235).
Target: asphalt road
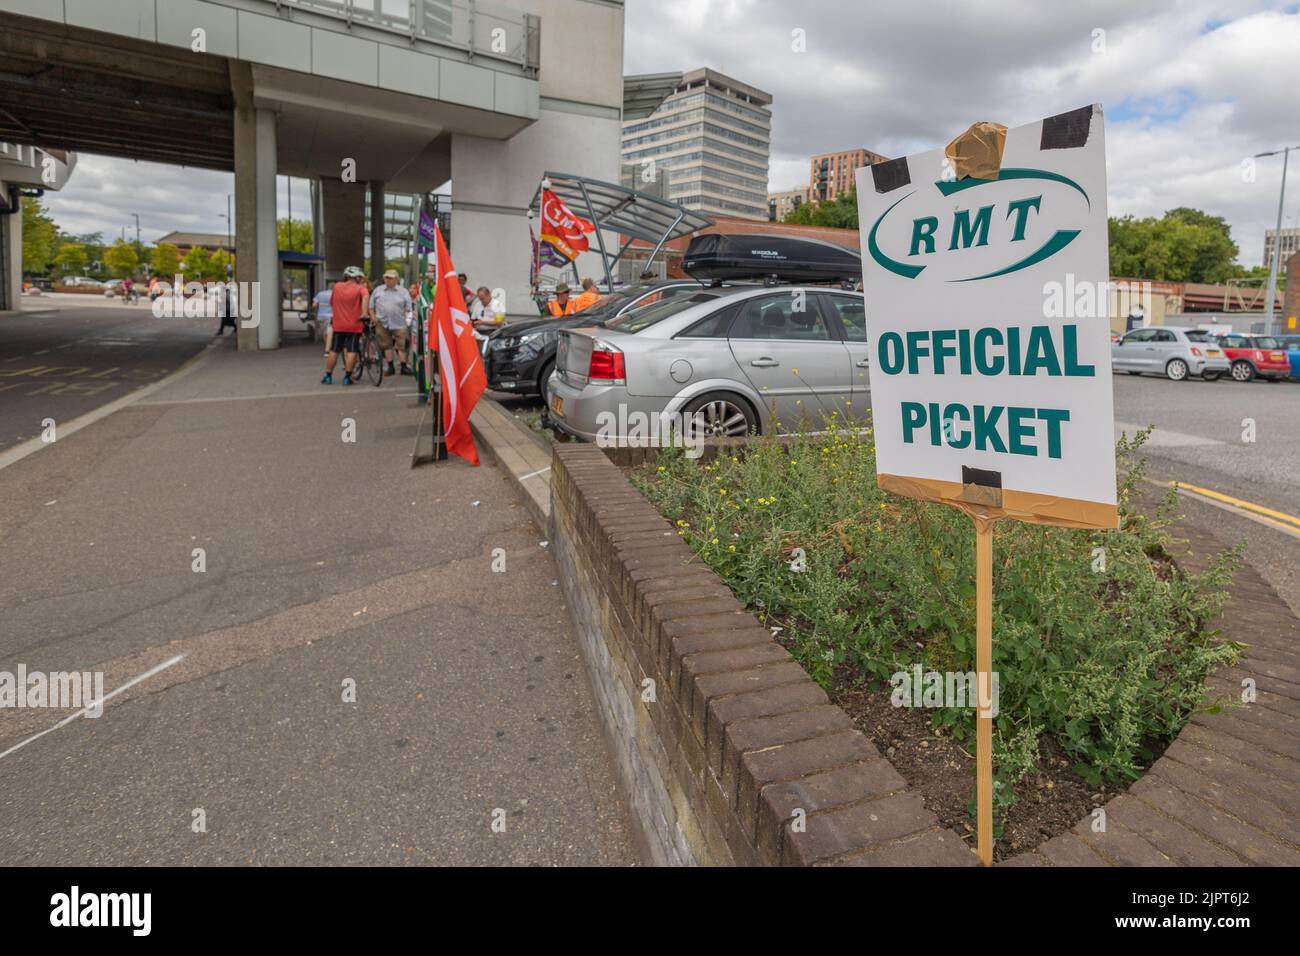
point(68, 354)
point(1204, 438)
point(345, 680)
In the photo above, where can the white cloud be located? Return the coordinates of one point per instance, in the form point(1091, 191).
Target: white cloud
point(1190, 89)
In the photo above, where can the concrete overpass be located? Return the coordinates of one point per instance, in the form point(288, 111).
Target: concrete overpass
point(23, 168)
point(389, 94)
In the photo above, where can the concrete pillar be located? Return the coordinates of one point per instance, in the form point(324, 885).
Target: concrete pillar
point(257, 262)
point(343, 215)
point(268, 244)
point(376, 231)
point(11, 249)
point(493, 183)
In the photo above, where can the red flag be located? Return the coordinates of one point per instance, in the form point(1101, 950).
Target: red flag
point(562, 228)
point(459, 362)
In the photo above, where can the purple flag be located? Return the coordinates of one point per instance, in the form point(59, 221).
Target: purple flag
point(427, 226)
point(544, 254)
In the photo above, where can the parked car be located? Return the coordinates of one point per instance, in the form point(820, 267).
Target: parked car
point(1253, 356)
point(113, 287)
point(734, 359)
point(520, 356)
point(1292, 345)
point(1170, 351)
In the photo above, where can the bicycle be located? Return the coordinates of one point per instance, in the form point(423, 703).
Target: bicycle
point(370, 359)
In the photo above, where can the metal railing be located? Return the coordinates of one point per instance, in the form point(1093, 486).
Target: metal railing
point(476, 27)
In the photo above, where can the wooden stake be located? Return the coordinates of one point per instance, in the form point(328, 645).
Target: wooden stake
point(984, 686)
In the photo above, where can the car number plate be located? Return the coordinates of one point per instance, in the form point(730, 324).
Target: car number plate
point(1212, 352)
point(557, 405)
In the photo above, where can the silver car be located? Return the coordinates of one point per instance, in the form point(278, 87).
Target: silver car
point(732, 360)
point(1169, 351)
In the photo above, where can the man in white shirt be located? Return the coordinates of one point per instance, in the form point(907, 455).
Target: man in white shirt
point(390, 305)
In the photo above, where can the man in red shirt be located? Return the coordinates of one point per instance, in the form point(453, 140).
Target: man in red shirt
point(351, 303)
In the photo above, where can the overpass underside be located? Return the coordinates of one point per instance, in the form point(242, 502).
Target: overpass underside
point(290, 88)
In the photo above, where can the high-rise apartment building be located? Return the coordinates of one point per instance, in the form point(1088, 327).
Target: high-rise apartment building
point(831, 174)
point(708, 142)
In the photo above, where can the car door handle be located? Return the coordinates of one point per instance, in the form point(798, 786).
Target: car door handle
point(863, 364)
point(764, 362)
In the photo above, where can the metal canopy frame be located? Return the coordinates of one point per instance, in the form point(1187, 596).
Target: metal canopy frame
point(617, 208)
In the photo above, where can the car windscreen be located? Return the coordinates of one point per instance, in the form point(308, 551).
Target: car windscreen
point(643, 318)
point(1267, 342)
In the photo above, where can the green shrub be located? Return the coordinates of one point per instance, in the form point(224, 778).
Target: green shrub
point(1106, 660)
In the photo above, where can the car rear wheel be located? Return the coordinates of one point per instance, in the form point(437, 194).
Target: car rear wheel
point(544, 376)
point(719, 415)
point(1242, 371)
point(1176, 370)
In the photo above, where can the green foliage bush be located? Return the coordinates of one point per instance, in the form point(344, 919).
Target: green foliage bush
point(1106, 660)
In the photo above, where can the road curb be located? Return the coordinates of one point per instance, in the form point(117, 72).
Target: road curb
point(525, 461)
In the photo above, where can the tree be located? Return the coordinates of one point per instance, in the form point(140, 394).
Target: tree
point(121, 259)
point(196, 263)
point(72, 259)
point(216, 268)
point(1185, 245)
point(39, 232)
point(839, 213)
point(165, 260)
point(294, 234)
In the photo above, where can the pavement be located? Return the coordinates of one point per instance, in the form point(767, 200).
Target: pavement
point(346, 680)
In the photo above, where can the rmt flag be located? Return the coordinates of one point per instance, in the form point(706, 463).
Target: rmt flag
point(459, 363)
point(562, 228)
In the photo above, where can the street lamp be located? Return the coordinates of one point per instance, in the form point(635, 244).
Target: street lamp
point(1277, 236)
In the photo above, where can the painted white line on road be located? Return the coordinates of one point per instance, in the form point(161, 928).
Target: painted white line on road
point(534, 474)
point(254, 398)
point(103, 700)
point(33, 445)
point(1166, 438)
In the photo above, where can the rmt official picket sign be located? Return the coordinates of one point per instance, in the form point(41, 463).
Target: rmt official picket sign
point(976, 380)
point(983, 396)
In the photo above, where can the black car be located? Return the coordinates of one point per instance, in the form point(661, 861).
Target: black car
point(520, 356)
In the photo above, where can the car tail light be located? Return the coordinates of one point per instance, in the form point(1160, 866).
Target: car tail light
point(606, 365)
point(1196, 351)
point(1259, 356)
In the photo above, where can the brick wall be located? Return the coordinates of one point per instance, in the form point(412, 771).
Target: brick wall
point(740, 758)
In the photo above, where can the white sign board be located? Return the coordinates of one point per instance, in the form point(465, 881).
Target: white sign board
point(986, 304)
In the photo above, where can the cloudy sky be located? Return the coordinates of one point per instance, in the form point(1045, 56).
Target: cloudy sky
point(1191, 88)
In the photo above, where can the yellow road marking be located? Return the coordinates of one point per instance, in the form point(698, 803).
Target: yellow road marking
point(1238, 503)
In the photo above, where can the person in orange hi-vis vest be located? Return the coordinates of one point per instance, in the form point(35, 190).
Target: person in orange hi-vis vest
point(561, 304)
point(589, 297)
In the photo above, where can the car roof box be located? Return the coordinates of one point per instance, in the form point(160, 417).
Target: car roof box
point(715, 257)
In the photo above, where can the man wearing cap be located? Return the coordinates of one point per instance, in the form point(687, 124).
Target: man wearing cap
point(561, 305)
point(348, 304)
point(390, 304)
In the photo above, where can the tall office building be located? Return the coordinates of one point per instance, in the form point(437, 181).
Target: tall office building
point(831, 174)
point(706, 145)
point(1290, 244)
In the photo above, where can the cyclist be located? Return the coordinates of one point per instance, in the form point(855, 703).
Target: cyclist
point(349, 302)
